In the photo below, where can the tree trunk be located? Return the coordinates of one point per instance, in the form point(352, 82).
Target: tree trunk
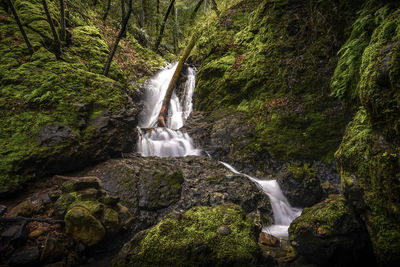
point(14, 11)
point(161, 122)
point(107, 10)
point(62, 11)
point(175, 31)
point(122, 11)
point(57, 48)
point(158, 16)
point(196, 9)
point(160, 35)
point(141, 14)
point(119, 37)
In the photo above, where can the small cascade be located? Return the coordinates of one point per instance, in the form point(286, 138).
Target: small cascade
point(166, 142)
point(283, 212)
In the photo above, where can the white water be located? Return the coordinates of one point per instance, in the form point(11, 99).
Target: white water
point(283, 213)
point(166, 142)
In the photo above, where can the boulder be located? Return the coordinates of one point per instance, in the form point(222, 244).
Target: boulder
point(83, 226)
point(194, 239)
point(330, 234)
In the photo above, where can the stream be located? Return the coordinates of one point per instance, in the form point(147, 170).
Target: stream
point(171, 142)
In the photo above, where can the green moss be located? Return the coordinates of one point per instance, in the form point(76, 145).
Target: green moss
point(193, 239)
point(301, 172)
point(324, 216)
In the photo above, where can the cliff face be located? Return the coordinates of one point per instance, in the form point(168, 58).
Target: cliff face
point(58, 115)
point(286, 64)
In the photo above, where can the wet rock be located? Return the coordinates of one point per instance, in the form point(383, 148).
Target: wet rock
point(330, 234)
point(83, 226)
point(154, 187)
point(26, 256)
point(159, 187)
point(300, 185)
point(268, 240)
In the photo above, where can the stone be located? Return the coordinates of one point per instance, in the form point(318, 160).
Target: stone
point(111, 221)
point(82, 226)
point(125, 217)
point(55, 134)
point(224, 230)
point(268, 240)
point(41, 230)
point(52, 251)
point(81, 183)
point(26, 256)
point(330, 233)
point(25, 209)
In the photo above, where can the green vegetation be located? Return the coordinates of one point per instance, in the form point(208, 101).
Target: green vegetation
point(39, 91)
point(267, 59)
point(193, 239)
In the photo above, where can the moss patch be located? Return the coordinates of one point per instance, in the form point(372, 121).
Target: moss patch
point(193, 239)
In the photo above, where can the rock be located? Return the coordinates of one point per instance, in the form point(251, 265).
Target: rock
point(111, 221)
point(224, 230)
point(26, 256)
point(330, 234)
point(151, 188)
point(41, 230)
point(55, 134)
point(25, 208)
point(268, 240)
point(159, 187)
point(300, 185)
point(125, 217)
point(193, 240)
point(83, 226)
point(52, 251)
point(77, 184)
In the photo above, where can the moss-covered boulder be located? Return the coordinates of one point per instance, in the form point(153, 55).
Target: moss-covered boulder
point(83, 226)
point(198, 237)
point(330, 234)
point(89, 212)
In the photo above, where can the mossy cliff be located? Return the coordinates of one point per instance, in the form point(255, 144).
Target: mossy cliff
point(273, 60)
point(55, 114)
point(203, 236)
point(369, 156)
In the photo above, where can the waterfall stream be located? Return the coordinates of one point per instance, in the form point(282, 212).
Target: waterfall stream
point(165, 142)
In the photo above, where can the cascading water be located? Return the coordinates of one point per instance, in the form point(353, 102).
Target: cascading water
point(165, 142)
point(283, 213)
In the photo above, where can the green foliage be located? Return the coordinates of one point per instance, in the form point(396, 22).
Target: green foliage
point(301, 172)
point(193, 239)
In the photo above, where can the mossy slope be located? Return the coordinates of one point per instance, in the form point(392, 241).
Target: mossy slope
point(38, 91)
point(273, 60)
point(368, 158)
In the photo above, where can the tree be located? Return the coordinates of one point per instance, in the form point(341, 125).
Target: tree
point(119, 37)
point(62, 22)
point(160, 35)
point(57, 45)
point(196, 9)
point(107, 10)
point(14, 11)
point(167, 98)
point(122, 11)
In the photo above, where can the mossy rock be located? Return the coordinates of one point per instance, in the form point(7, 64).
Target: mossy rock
point(196, 239)
point(83, 226)
point(330, 234)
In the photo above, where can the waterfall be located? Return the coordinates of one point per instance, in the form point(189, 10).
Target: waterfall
point(283, 212)
point(166, 142)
